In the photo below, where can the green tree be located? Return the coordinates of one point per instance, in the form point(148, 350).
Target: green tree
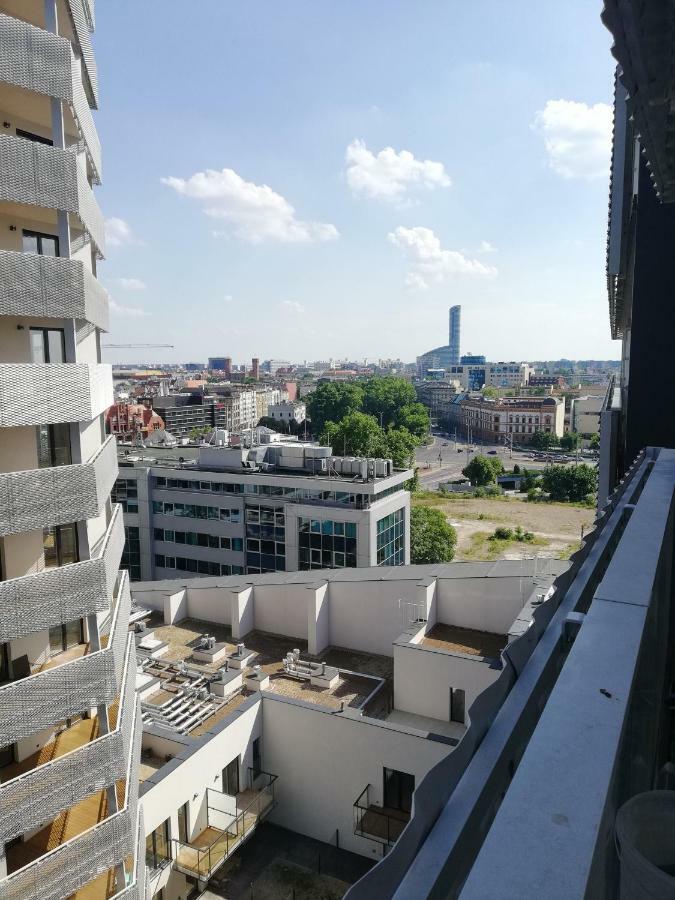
point(572, 483)
point(385, 397)
point(570, 441)
point(415, 418)
point(483, 470)
point(400, 446)
point(490, 393)
point(195, 433)
point(595, 442)
point(432, 538)
point(331, 402)
point(355, 435)
point(543, 440)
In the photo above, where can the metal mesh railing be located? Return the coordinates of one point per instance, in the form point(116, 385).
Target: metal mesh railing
point(57, 495)
point(47, 393)
point(43, 699)
point(81, 27)
point(41, 794)
point(50, 287)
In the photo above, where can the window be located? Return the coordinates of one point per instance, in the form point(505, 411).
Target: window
point(53, 445)
point(36, 138)
point(42, 244)
point(183, 823)
point(131, 555)
point(324, 544)
point(457, 703)
point(60, 545)
point(391, 539)
point(62, 637)
point(231, 778)
point(157, 846)
point(48, 345)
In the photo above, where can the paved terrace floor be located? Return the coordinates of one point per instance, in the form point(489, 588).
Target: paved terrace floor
point(465, 640)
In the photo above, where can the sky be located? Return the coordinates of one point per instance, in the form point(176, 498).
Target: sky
point(315, 179)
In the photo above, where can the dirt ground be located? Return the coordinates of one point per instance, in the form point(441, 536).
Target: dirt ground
point(556, 526)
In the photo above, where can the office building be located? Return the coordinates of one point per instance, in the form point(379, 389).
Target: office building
point(280, 506)
point(182, 413)
point(69, 729)
point(318, 702)
point(585, 414)
point(470, 359)
point(454, 329)
point(220, 364)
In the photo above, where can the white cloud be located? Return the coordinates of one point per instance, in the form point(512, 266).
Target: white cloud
point(429, 263)
point(389, 175)
point(130, 284)
point(118, 232)
point(292, 307)
point(577, 137)
point(486, 247)
point(252, 212)
point(130, 312)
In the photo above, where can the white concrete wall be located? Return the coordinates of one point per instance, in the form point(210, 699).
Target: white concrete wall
point(212, 604)
point(486, 604)
point(324, 761)
point(281, 609)
point(367, 615)
point(423, 677)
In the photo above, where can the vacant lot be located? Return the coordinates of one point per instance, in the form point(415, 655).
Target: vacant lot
point(556, 526)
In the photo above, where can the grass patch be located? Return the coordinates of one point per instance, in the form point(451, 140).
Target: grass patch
point(485, 546)
point(566, 552)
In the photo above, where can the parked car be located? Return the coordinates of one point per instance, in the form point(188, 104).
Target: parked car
point(492, 452)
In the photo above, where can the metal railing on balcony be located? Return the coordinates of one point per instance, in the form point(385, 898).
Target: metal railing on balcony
point(37, 60)
point(50, 287)
point(375, 822)
point(73, 864)
point(63, 593)
point(82, 23)
point(39, 175)
point(230, 821)
point(59, 693)
point(48, 393)
point(57, 495)
point(42, 793)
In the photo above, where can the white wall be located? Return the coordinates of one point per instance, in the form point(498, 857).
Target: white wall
point(281, 609)
point(324, 761)
point(212, 604)
point(423, 677)
point(486, 604)
point(366, 615)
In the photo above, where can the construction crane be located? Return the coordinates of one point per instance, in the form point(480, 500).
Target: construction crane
point(133, 346)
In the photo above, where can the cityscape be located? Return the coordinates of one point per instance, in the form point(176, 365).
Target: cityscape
point(392, 623)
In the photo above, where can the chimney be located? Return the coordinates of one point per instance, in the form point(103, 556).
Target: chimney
point(228, 366)
point(255, 368)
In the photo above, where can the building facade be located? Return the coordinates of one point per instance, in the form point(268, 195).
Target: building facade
point(507, 419)
point(288, 411)
point(454, 333)
point(131, 421)
point(585, 415)
point(286, 507)
point(69, 728)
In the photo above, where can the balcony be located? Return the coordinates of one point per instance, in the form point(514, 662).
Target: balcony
point(82, 845)
point(38, 175)
point(51, 288)
point(39, 61)
point(59, 494)
point(230, 821)
point(71, 685)
point(81, 12)
point(64, 593)
point(378, 823)
point(78, 762)
point(47, 393)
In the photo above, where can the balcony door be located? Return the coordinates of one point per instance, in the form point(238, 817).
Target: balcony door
point(48, 345)
point(54, 445)
point(398, 790)
point(60, 545)
point(231, 778)
point(62, 637)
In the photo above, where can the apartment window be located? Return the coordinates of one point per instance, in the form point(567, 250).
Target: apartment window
point(157, 846)
point(42, 244)
point(131, 555)
point(53, 443)
point(48, 345)
point(457, 704)
point(60, 545)
point(62, 637)
point(324, 544)
point(391, 539)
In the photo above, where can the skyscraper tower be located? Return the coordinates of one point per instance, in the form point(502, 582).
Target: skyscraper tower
point(454, 334)
point(69, 726)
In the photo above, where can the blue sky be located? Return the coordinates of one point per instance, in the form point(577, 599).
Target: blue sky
point(256, 209)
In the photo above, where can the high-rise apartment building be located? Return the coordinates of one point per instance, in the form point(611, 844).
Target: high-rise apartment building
point(69, 731)
point(454, 336)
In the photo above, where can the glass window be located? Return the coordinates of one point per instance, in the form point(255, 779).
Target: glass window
point(54, 445)
point(160, 560)
point(60, 545)
point(38, 242)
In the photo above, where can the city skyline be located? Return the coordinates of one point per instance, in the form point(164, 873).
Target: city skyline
point(316, 212)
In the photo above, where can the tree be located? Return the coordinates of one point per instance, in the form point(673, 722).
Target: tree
point(355, 435)
point(571, 483)
point(415, 418)
point(195, 433)
point(543, 440)
point(400, 446)
point(290, 427)
point(432, 538)
point(483, 470)
point(490, 393)
point(385, 397)
point(595, 442)
point(570, 441)
point(332, 401)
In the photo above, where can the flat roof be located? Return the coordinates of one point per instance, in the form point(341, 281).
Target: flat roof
point(465, 640)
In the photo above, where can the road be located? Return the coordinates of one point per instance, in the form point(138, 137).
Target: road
point(443, 460)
